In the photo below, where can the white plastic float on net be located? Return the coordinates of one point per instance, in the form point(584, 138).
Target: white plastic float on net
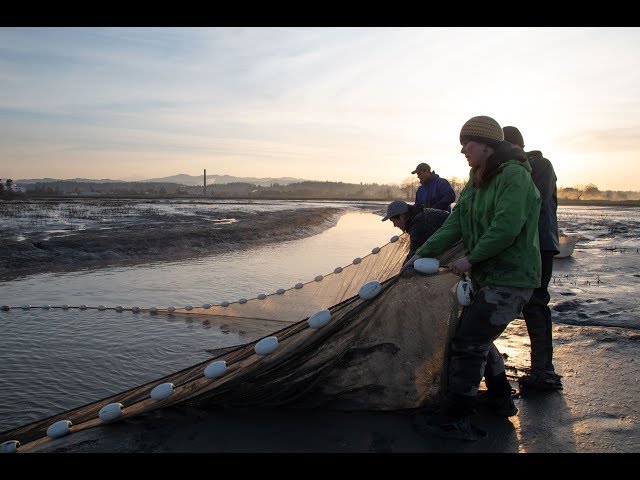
point(215, 369)
point(10, 446)
point(59, 428)
point(162, 391)
point(370, 290)
point(110, 412)
point(266, 345)
point(319, 319)
point(427, 265)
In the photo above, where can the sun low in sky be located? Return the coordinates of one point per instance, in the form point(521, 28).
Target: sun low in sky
point(348, 104)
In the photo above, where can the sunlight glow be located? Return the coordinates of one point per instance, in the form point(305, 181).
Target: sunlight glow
point(349, 104)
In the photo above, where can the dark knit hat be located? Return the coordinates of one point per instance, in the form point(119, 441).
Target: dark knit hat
point(481, 129)
point(513, 135)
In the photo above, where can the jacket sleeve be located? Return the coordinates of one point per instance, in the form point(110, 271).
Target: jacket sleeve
point(417, 236)
point(446, 195)
point(544, 178)
point(444, 237)
point(515, 197)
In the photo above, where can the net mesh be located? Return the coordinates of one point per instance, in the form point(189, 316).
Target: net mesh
point(386, 353)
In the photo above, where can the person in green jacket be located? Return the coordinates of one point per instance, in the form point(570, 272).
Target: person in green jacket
point(496, 217)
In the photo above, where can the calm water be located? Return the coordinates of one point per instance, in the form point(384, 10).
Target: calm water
point(53, 360)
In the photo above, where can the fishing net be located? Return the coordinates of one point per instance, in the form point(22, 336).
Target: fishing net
point(384, 353)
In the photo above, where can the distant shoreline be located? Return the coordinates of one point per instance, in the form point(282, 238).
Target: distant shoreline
point(600, 203)
point(561, 201)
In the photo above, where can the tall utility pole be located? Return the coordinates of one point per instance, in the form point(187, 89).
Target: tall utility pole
point(205, 182)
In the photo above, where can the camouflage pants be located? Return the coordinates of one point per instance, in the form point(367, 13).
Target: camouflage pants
point(483, 321)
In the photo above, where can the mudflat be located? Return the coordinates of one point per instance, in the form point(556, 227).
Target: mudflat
point(131, 241)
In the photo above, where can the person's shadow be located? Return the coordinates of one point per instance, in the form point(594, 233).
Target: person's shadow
point(544, 423)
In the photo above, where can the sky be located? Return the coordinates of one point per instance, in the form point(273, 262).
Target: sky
point(346, 104)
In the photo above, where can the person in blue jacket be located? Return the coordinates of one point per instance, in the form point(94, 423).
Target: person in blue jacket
point(434, 191)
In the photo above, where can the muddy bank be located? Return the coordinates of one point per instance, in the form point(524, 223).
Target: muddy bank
point(160, 239)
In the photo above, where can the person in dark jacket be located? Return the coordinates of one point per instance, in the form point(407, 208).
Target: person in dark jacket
point(433, 192)
point(536, 313)
point(496, 217)
point(420, 223)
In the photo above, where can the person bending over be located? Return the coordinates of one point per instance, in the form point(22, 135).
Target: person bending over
point(420, 223)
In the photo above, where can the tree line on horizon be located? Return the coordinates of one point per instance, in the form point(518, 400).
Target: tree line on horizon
point(306, 189)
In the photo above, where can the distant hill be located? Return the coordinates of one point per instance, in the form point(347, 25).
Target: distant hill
point(181, 179)
point(184, 179)
point(24, 181)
